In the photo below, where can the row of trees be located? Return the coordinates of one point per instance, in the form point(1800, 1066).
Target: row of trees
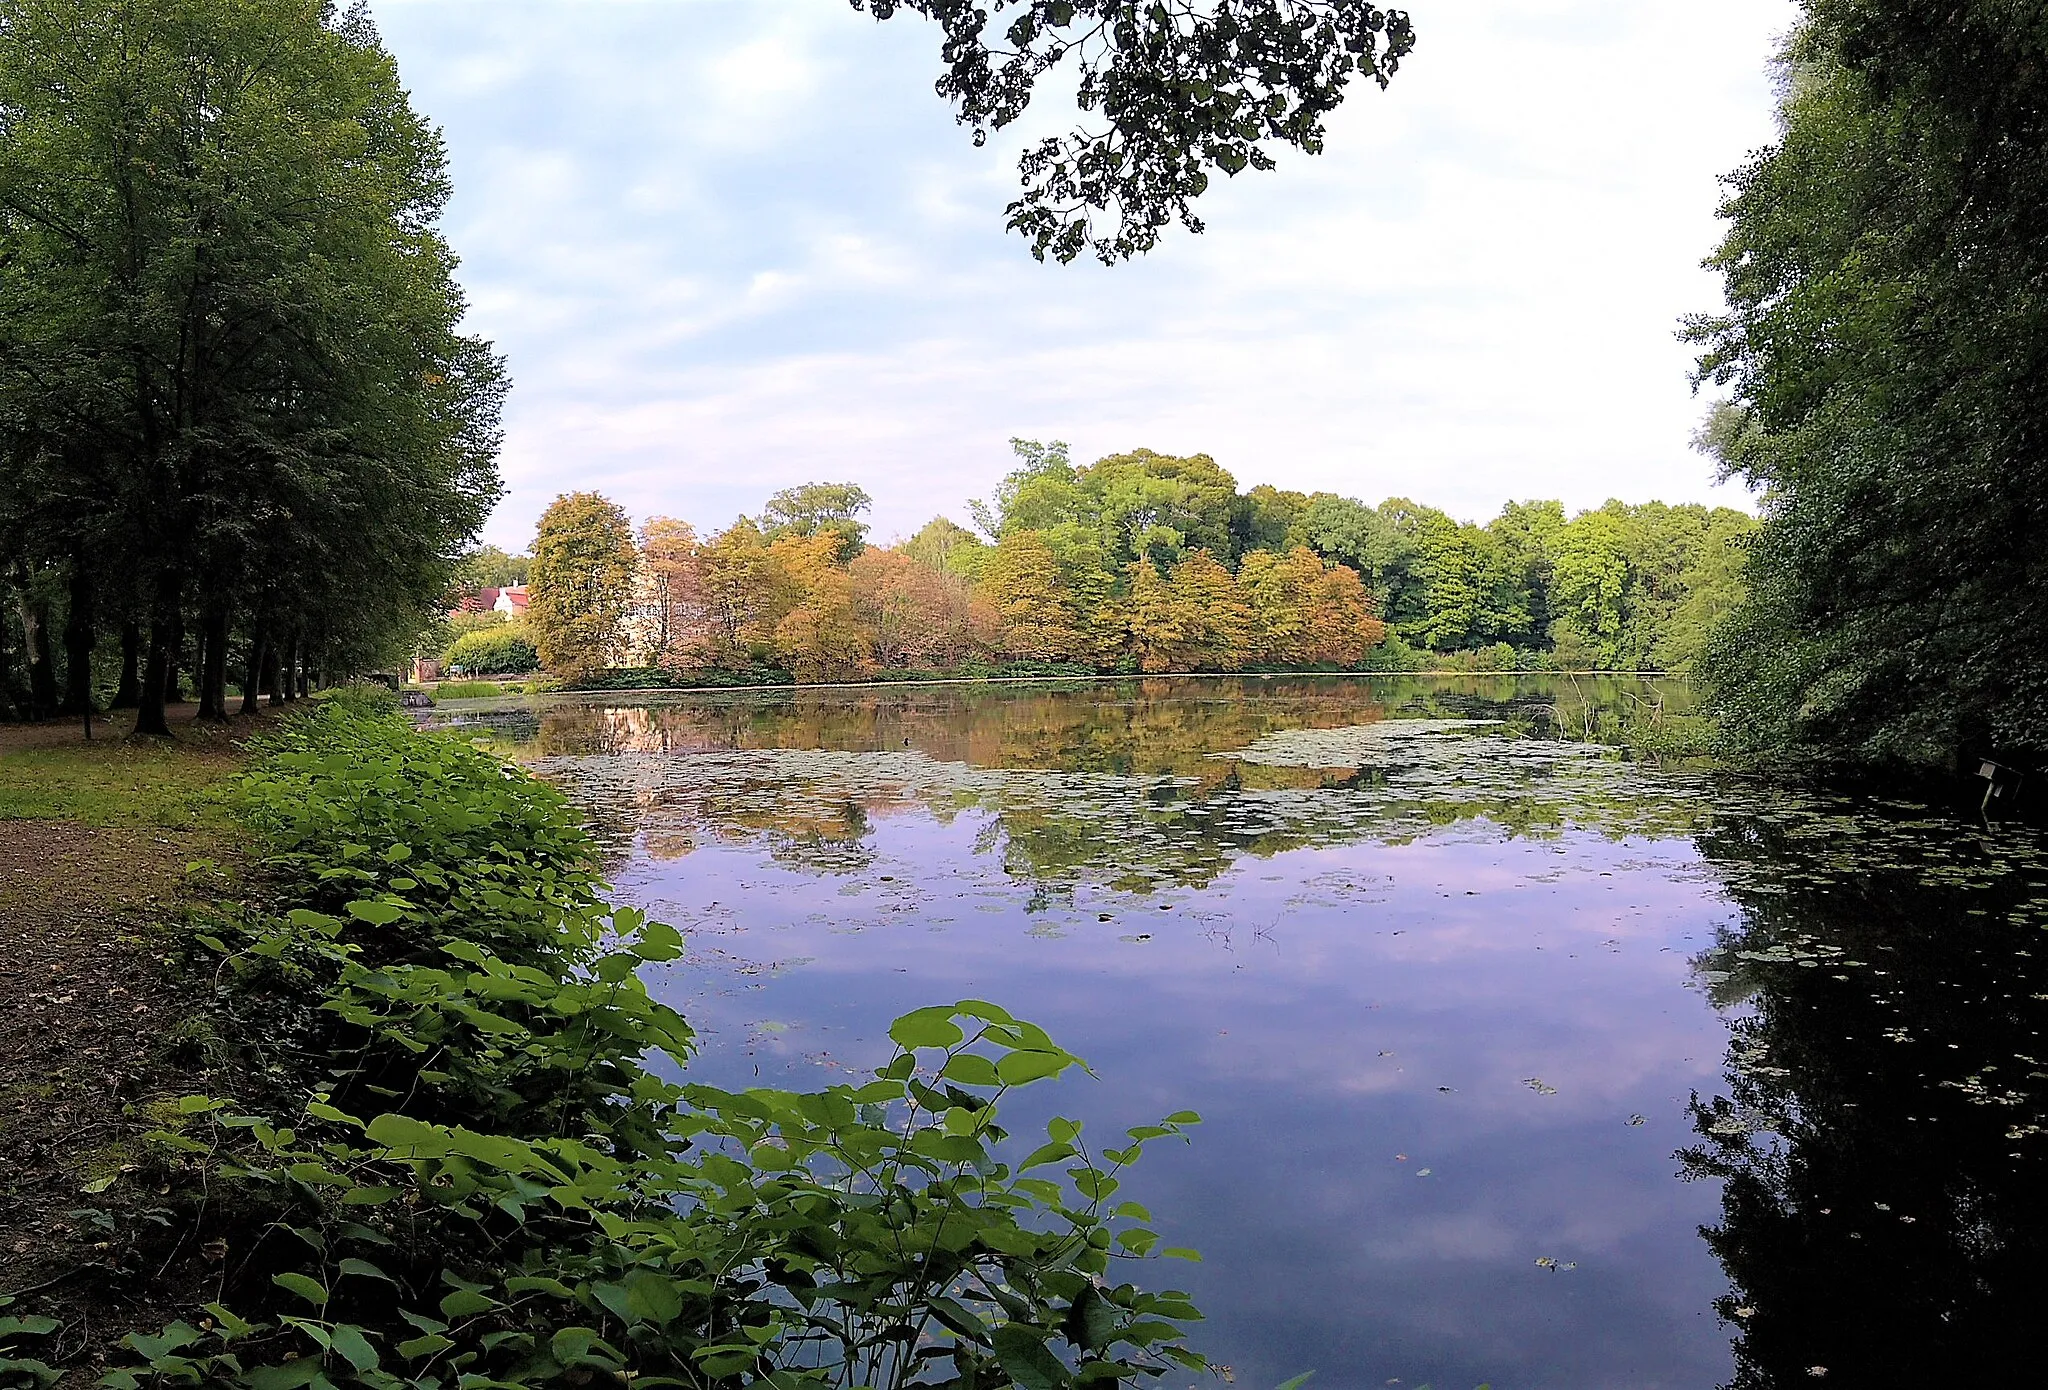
point(240, 431)
point(1140, 561)
point(1614, 587)
point(781, 597)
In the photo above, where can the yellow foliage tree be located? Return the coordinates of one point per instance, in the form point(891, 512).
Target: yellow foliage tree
point(1021, 581)
point(817, 635)
point(1214, 620)
point(671, 590)
point(1304, 612)
point(1153, 623)
point(732, 575)
point(582, 584)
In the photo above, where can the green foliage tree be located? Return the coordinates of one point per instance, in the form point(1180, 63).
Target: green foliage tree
point(1887, 365)
point(1350, 532)
point(233, 393)
point(582, 587)
point(488, 567)
point(1265, 517)
point(948, 547)
point(1589, 578)
point(819, 508)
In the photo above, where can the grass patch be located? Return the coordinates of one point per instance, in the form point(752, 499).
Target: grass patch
point(476, 690)
point(113, 782)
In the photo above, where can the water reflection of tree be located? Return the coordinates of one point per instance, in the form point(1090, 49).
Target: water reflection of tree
point(1885, 1214)
point(1117, 785)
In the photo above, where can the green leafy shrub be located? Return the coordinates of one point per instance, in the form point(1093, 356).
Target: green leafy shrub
point(1394, 654)
point(360, 697)
point(463, 1174)
point(506, 649)
point(475, 690)
point(660, 678)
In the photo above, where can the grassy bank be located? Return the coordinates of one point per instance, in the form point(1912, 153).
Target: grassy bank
point(425, 1145)
point(50, 772)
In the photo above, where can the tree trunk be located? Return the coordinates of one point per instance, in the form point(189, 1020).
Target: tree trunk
point(289, 683)
point(42, 671)
point(78, 643)
point(129, 693)
point(174, 659)
point(160, 673)
point(252, 678)
point(269, 678)
point(213, 672)
point(6, 673)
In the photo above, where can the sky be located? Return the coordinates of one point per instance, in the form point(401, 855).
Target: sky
point(730, 246)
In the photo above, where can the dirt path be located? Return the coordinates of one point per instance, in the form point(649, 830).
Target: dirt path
point(94, 1024)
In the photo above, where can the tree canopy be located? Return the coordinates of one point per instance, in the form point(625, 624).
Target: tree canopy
point(584, 563)
point(1170, 92)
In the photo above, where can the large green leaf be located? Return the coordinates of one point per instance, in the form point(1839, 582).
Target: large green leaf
point(933, 1027)
point(1022, 1352)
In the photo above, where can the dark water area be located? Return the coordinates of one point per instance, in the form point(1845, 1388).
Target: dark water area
point(1520, 1063)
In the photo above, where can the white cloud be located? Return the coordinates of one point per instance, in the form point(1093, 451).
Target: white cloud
point(730, 245)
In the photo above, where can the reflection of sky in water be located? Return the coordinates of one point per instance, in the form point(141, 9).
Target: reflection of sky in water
point(1443, 1008)
point(1311, 1006)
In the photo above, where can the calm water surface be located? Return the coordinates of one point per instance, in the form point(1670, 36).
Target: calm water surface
point(1518, 1063)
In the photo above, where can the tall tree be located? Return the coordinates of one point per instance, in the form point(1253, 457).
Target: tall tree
point(1303, 611)
point(813, 509)
point(671, 589)
point(1021, 582)
point(733, 569)
point(948, 546)
point(817, 632)
point(911, 612)
point(1886, 353)
point(582, 586)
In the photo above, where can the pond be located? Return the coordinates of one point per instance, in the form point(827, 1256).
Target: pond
point(1519, 1063)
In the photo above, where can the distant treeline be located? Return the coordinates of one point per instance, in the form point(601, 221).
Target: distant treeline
point(1138, 562)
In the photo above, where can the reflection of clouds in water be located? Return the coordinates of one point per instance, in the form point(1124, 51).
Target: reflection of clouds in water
point(1373, 947)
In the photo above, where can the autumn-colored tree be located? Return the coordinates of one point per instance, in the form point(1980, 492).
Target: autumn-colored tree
point(817, 635)
point(1214, 619)
point(910, 613)
point(1276, 592)
point(1021, 581)
point(671, 590)
point(1304, 612)
point(1340, 626)
point(1192, 620)
point(1153, 622)
point(732, 577)
point(582, 585)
